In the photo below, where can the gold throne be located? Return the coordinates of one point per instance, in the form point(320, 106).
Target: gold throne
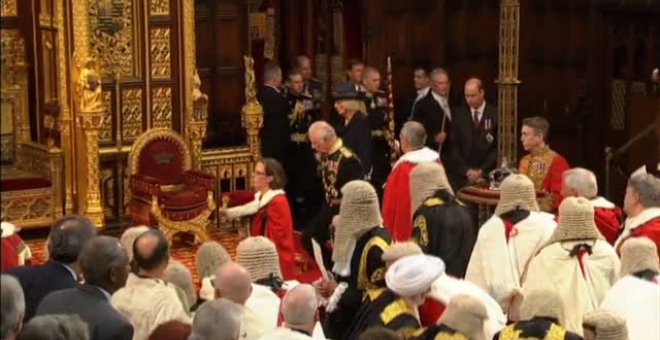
point(165, 191)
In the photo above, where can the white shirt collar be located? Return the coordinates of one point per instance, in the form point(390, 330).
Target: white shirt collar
point(422, 92)
point(480, 110)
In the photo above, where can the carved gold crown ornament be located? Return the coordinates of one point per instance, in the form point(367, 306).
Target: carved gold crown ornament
point(252, 112)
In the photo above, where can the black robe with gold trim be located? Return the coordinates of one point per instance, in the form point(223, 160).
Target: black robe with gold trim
point(440, 332)
point(377, 112)
point(444, 228)
point(367, 272)
point(536, 328)
point(382, 307)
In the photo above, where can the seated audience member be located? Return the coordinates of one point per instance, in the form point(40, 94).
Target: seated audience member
point(508, 240)
point(104, 265)
point(232, 282)
point(15, 252)
point(300, 312)
point(271, 214)
point(408, 281)
point(604, 325)
point(579, 182)
point(396, 198)
point(259, 256)
point(360, 240)
point(542, 165)
point(442, 226)
point(642, 205)
point(13, 307)
point(147, 300)
point(66, 239)
point(636, 294)
point(541, 316)
point(217, 320)
point(380, 333)
point(171, 330)
point(128, 238)
point(464, 318)
point(444, 289)
point(210, 256)
point(54, 327)
point(576, 263)
point(180, 277)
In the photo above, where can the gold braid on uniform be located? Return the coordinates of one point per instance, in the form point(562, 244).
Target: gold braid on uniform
point(365, 282)
point(554, 333)
point(420, 223)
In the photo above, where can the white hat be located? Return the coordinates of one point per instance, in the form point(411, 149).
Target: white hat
point(413, 275)
point(259, 256)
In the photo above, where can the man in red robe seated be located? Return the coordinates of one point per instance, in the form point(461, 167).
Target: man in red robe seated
point(542, 165)
point(642, 205)
point(397, 216)
point(579, 182)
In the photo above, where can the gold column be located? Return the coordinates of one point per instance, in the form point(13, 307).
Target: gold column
point(190, 68)
point(196, 126)
point(65, 123)
point(91, 122)
point(252, 113)
point(508, 81)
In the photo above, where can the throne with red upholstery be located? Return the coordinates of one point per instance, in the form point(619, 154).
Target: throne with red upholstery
point(165, 191)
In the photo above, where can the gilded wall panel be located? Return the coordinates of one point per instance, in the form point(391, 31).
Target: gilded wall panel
point(108, 192)
point(114, 36)
point(161, 107)
point(105, 133)
point(160, 52)
point(131, 113)
point(8, 8)
point(49, 67)
point(159, 7)
point(46, 14)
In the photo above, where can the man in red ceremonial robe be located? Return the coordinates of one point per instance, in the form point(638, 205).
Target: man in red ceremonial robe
point(15, 252)
point(542, 165)
point(642, 205)
point(579, 182)
point(396, 200)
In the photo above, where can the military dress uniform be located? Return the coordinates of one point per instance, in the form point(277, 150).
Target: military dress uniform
point(338, 167)
point(377, 112)
point(314, 87)
point(303, 185)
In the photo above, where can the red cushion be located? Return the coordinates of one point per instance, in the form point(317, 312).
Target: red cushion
point(238, 197)
point(25, 183)
point(187, 198)
point(162, 159)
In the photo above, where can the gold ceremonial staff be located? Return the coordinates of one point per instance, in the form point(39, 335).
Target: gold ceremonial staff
point(391, 138)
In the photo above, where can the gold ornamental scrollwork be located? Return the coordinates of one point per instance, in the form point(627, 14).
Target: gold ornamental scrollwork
point(160, 52)
point(159, 7)
point(91, 122)
point(8, 8)
point(113, 36)
point(161, 107)
point(131, 113)
point(12, 45)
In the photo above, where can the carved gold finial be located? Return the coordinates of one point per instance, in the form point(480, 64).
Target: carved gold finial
point(252, 113)
point(197, 93)
point(89, 88)
point(250, 80)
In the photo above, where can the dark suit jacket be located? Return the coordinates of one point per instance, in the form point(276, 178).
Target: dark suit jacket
point(471, 148)
point(39, 281)
point(88, 302)
point(357, 137)
point(428, 112)
point(275, 130)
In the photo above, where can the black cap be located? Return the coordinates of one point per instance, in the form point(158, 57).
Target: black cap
point(347, 95)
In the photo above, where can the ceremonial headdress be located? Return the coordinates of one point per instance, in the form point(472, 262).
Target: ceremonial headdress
point(466, 315)
point(400, 250)
point(638, 254)
point(543, 303)
point(259, 256)
point(606, 325)
point(516, 191)
point(425, 179)
point(576, 221)
point(128, 238)
point(210, 256)
point(413, 275)
point(358, 213)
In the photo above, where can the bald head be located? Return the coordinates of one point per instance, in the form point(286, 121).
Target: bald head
point(474, 93)
point(232, 281)
point(299, 307)
point(151, 252)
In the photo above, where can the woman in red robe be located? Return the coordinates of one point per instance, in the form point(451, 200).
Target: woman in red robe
point(270, 211)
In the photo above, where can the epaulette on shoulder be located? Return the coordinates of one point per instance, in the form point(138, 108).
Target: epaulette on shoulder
point(433, 201)
point(346, 152)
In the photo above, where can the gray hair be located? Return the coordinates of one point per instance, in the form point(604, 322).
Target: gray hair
point(581, 180)
point(327, 132)
point(99, 256)
point(67, 237)
point(128, 238)
point(368, 70)
point(218, 319)
point(299, 306)
point(414, 133)
point(179, 275)
point(55, 327)
point(13, 305)
point(647, 188)
point(210, 256)
point(438, 71)
point(271, 71)
point(232, 281)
